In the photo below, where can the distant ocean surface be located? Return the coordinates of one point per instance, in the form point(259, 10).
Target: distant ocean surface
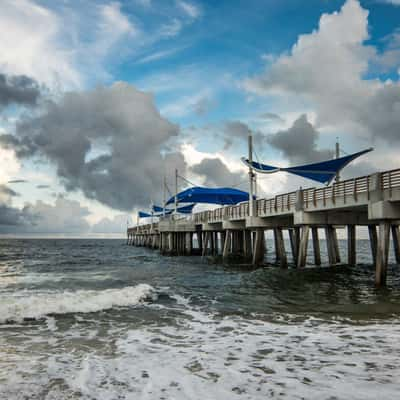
point(96, 319)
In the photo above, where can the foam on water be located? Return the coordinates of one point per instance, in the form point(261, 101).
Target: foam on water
point(35, 305)
point(205, 356)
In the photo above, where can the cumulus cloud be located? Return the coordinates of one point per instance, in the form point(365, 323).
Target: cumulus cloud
point(106, 142)
point(117, 224)
point(327, 69)
point(18, 89)
point(65, 216)
point(216, 173)
point(299, 143)
point(271, 117)
point(239, 131)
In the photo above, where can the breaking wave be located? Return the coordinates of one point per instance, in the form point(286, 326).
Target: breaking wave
point(21, 306)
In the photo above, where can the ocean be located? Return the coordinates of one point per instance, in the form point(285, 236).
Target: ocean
point(96, 319)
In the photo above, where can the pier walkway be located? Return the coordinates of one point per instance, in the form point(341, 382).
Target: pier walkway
point(237, 231)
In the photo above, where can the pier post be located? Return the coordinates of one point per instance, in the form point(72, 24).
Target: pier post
point(200, 240)
point(206, 243)
point(351, 245)
point(302, 257)
point(330, 245)
point(293, 244)
point(259, 247)
point(227, 245)
point(336, 245)
point(396, 242)
point(316, 247)
point(373, 239)
point(382, 253)
point(280, 247)
point(247, 244)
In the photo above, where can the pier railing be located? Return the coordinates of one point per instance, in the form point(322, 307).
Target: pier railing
point(355, 190)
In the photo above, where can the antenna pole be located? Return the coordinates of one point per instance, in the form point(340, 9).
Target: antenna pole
point(337, 154)
point(176, 191)
point(164, 195)
point(251, 177)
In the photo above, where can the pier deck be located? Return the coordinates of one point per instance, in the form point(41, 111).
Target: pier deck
point(372, 201)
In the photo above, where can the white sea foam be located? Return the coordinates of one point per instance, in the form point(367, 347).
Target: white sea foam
point(27, 305)
point(204, 356)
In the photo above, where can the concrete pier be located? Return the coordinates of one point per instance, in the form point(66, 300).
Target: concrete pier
point(236, 234)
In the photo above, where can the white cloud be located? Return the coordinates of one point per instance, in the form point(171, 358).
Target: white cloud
point(113, 26)
point(190, 9)
point(29, 45)
point(10, 165)
point(326, 69)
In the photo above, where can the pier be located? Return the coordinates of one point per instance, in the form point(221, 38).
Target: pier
point(239, 230)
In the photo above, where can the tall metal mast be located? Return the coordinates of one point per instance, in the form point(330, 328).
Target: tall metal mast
point(251, 178)
point(176, 191)
point(337, 154)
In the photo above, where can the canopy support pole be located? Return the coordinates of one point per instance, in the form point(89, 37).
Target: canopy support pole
point(251, 178)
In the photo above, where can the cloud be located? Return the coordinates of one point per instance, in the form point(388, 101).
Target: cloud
point(117, 224)
point(239, 131)
point(31, 44)
point(43, 186)
point(65, 216)
point(217, 174)
point(18, 181)
point(18, 89)
point(299, 143)
point(192, 10)
point(336, 85)
point(106, 142)
point(271, 117)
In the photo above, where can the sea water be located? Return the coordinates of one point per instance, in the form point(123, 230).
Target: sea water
point(96, 319)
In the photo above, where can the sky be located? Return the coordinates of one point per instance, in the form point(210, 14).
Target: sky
point(100, 99)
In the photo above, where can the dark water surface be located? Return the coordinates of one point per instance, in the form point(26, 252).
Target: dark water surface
point(96, 319)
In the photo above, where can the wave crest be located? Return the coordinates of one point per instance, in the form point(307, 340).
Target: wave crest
point(17, 307)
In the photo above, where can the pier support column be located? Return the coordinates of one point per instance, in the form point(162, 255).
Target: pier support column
point(247, 244)
point(336, 245)
point(316, 247)
point(302, 257)
point(259, 247)
point(280, 247)
point(382, 253)
point(294, 244)
point(373, 239)
point(330, 246)
point(227, 245)
point(206, 243)
point(200, 240)
point(396, 242)
point(351, 245)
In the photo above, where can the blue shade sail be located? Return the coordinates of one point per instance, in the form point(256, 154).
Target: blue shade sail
point(323, 172)
point(182, 210)
point(220, 196)
point(263, 168)
point(143, 214)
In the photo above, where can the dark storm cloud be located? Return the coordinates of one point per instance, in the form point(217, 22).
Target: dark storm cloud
point(217, 173)
point(271, 117)
point(239, 131)
point(18, 89)
point(18, 181)
point(6, 191)
point(299, 143)
point(106, 142)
